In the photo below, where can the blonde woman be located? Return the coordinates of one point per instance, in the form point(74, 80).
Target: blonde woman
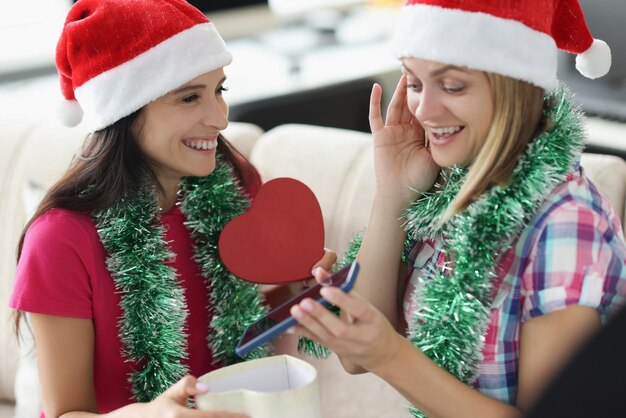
point(489, 256)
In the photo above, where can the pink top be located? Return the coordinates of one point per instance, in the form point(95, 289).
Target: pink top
point(62, 272)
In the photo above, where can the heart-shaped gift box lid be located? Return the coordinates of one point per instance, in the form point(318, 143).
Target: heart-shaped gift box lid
point(279, 239)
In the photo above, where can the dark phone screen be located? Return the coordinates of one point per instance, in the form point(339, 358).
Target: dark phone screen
point(281, 312)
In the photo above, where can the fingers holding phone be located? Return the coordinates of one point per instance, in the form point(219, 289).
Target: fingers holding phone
point(323, 325)
point(279, 319)
point(368, 340)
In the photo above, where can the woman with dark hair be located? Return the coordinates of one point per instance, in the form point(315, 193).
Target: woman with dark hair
point(118, 268)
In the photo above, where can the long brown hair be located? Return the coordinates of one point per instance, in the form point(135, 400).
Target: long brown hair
point(111, 166)
point(517, 120)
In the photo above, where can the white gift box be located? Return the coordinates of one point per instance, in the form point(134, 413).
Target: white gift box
point(272, 387)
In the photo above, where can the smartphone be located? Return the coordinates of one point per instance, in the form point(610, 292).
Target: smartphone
point(279, 320)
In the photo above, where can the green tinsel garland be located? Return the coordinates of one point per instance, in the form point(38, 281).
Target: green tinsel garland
point(453, 310)
point(154, 309)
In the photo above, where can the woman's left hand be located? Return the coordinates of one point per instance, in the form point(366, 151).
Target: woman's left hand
point(362, 335)
point(275, 295)
point(327, 261)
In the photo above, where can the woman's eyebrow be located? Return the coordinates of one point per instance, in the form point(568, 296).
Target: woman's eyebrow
point(187, 88)
point(195, 86)
point(445, 69)
point(438, 72)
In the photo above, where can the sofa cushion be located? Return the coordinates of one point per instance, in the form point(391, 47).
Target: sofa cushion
point(335, 163)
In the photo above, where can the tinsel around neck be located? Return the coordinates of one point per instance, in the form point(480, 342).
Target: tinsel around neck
point(454, 305)
point(154, 310)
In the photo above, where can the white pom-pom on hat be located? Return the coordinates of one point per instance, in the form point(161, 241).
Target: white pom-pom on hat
point(69, 112)
point(595, 62)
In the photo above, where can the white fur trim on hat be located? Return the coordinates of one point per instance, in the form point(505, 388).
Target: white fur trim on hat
point(476, 40)
point(122, 90)
point(595, 62)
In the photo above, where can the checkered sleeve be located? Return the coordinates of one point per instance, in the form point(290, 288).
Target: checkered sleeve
point(577, 258)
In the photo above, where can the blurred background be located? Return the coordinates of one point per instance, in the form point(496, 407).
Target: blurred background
point(310, 61)
point(306, 61)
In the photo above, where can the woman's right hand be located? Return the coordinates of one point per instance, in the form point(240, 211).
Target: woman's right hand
point(173, 402)
point(403, 163)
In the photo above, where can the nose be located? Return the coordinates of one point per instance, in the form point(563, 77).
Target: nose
point(215, 114)
point(428, 105)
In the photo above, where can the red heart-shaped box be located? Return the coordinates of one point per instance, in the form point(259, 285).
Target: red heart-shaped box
point(279, 239)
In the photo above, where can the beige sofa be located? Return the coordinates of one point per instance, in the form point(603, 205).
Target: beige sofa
point(336, 164)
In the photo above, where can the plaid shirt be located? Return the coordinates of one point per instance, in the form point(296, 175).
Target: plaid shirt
point(572, 252)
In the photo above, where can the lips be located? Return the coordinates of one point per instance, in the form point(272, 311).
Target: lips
point(444, 135)
point(201, 144)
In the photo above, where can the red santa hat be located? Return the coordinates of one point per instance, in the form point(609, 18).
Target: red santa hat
point(518, 39)
point(116, 56)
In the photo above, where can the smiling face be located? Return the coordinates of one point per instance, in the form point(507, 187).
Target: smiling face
point(178, 132)
point(454, 105)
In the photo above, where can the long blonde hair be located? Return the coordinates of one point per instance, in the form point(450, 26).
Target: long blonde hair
point(517, 119)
